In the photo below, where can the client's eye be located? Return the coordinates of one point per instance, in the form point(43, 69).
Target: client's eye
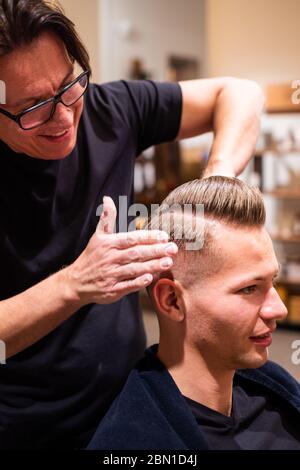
point(248, 290)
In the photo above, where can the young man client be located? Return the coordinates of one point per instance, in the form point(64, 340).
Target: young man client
point(209, 384)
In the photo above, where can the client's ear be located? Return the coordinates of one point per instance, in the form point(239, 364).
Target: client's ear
point(168, 297)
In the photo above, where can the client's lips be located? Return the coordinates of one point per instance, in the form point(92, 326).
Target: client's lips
point(264, 339)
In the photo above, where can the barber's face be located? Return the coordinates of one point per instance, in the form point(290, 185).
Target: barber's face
point(230, 308)
point(32, 74)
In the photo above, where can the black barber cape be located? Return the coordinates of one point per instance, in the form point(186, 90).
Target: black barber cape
point(151, 414)
point(54, 393)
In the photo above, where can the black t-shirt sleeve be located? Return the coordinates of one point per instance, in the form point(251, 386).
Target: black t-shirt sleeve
point(150, 111)
point(155, 111)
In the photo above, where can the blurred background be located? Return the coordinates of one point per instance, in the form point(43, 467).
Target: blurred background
point(186, 39)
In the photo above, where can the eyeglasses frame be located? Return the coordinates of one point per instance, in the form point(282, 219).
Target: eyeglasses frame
point(55, 99)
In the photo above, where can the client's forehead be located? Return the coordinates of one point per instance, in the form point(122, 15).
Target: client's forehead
point(244, 250)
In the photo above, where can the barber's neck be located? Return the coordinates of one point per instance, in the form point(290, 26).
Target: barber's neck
point(195, 376)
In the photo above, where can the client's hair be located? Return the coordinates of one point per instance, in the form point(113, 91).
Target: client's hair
point(227, 200)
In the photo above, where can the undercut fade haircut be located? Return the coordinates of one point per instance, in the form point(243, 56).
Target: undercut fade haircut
point(225, 200)
point(22, 21)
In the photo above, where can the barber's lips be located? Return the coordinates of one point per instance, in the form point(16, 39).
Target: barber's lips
point(262, 340)
point(59, 136)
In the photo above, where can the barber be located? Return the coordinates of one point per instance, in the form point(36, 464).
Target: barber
point(69, 312)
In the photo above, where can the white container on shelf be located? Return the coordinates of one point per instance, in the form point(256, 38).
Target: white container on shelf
point(293, 271)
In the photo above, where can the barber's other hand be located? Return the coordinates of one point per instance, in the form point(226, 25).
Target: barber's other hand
point(116, 264)
point(219, 167)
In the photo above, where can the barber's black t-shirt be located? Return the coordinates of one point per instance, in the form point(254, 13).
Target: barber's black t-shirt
point(54, 393)
point(259, 421)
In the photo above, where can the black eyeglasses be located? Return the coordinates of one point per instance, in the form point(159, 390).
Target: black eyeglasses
point(42, 112)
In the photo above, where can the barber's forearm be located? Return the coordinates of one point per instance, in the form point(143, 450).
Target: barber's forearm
point(31, 315)
point(236, 127)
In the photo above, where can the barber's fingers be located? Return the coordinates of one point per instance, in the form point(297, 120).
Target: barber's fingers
point(125, 240)
point(146, 252)
point(132, 285)
point(108, 217)
point(135, 270)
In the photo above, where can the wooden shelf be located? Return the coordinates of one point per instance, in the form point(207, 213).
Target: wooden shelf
point(284, 194)
point(277, 152)
point(288, 282)
point(286, 325)
point(291, 239)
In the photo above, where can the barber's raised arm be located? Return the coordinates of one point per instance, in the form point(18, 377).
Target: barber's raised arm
point(111, 266)
point(231, 108)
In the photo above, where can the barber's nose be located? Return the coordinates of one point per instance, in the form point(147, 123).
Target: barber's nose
point(63, 115)
point(273, 308)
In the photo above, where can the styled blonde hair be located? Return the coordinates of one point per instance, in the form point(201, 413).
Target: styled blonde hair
point(226, 200)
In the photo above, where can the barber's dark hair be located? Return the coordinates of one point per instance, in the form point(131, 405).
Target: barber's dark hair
point(22, 21)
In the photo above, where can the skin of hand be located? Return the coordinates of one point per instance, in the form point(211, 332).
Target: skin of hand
point(116, 264)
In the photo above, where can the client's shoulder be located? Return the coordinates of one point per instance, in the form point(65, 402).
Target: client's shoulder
point(276, 378)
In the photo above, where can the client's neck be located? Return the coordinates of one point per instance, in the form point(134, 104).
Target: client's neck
point(197, 379)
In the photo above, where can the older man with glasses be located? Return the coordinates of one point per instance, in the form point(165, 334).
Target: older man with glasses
point(39, 114)
point(69, 314)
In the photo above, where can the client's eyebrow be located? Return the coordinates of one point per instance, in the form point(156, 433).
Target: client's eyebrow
point(40, 98)
point(260, 278)
point(255, 278)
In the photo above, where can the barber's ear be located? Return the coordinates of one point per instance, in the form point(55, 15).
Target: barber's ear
point(168, 297)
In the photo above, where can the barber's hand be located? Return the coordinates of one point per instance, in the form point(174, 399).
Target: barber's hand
point(116, 264)
point(219, 167)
